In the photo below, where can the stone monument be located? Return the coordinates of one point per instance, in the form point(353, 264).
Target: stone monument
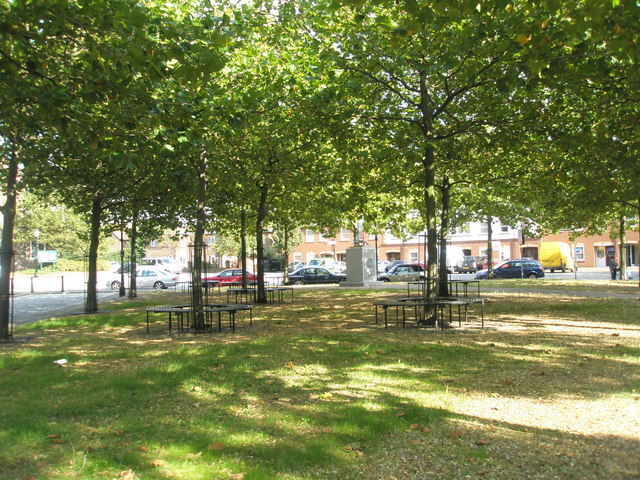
point(362, 264)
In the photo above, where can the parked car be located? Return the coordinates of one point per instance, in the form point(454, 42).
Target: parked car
point(382, 266)
point(404, 273)
point(518, 268)
point(293, 266)
point(148, 277)
point(311, 275)
point(166, 263)
point(394, 263)
point(228, 277)
point(340, 267)
point(468, 264)
point(330, 264)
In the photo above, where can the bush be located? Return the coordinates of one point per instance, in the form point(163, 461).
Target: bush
point(68, 265)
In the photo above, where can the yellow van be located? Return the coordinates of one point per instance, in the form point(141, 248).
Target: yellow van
point(555, 256)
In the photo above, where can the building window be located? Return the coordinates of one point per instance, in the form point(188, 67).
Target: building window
point(344, 234)
point(504, 228)
point(310, 236)
point(579, 253)
point(211, 240)
point(321, 237)
point(413, 256)
point(484, 228)
point(153, 243)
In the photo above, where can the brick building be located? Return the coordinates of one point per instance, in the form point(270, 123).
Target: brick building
point(589, 251)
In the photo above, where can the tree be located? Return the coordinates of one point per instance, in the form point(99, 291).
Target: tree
point(429, 74)
point(61, 63)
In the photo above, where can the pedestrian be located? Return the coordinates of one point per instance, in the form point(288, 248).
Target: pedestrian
point(613, 267)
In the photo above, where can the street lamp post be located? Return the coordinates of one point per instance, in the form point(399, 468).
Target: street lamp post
point(36, 235)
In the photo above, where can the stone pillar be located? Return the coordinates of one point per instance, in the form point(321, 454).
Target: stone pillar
point(362, 270)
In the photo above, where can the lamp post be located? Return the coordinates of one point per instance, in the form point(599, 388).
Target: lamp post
point(36, 235)
point(332, 244)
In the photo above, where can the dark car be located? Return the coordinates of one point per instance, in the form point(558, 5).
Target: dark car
point(311, 275)
point(230, 276)
point(404, 273)
point(468, 264)
point(518, 268)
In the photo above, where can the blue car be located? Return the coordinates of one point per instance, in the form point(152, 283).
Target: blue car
point(518, 268)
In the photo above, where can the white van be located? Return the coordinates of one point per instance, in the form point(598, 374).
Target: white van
point(166, 263)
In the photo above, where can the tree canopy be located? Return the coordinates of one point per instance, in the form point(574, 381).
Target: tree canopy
point(320, 113)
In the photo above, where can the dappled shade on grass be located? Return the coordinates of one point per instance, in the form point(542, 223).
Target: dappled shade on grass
point(316, 390)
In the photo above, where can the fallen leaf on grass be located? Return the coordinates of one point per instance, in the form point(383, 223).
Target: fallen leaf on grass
point(415, 441)
point(157, 463)
point(414, 426)
point(127, 475)
point(457, 433)
point(236, 476)
point(507, 381)
point(482, 442)
point(142, 448)
point(216, 446)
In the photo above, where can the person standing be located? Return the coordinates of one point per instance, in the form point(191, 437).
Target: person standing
point(613, 267)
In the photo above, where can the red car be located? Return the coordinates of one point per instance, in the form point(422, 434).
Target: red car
point(230, 276)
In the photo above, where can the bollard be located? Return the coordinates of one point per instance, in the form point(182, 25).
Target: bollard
point(62, 282)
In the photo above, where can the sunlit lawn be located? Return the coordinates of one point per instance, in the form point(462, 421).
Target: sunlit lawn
point(315, 389)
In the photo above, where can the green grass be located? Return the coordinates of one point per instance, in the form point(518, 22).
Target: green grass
point(604, 286)
point(312, 391)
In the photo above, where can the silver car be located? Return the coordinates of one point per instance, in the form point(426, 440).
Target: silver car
point(146, 277)
point(404, 273)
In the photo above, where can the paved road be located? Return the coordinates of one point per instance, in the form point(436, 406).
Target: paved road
point(38, 306)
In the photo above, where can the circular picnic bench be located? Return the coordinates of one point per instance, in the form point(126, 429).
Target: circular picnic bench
point(187, 318)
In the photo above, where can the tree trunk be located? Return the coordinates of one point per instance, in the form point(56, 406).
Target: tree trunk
point(262, 215)
point(623, 247)
point(429, 186)
point(243, 246)
point(7, 253)
point(133, 261)
point(285, 255)
point(196, 273)
point(443, 284)
point(489, 246)
point(91, 303)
